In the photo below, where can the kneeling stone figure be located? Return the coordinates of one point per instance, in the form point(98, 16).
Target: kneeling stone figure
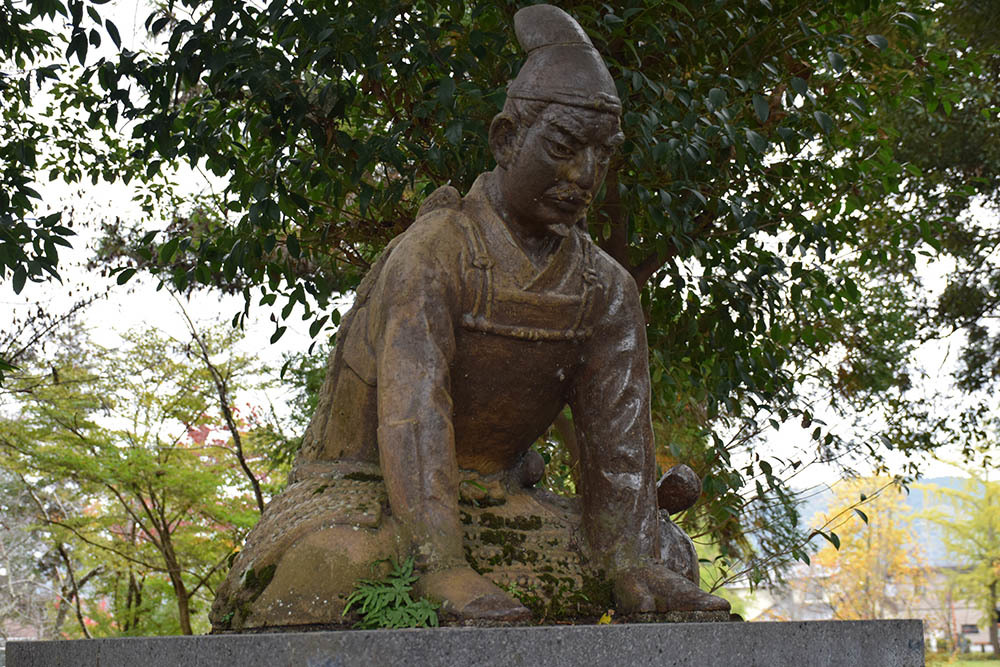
point(471, 333)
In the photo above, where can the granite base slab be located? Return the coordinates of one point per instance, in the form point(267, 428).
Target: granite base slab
point(814, 644)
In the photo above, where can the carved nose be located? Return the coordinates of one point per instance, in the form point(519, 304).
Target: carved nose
point(584, 168)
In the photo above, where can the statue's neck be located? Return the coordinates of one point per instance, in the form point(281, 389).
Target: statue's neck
point(538, 243)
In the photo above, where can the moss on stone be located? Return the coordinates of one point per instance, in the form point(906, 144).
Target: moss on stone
point(598, 590)
point(533, 522)
point(253, 582)
point(363, 477)
point(496, 522)
point(501, 538)
point(478, 567)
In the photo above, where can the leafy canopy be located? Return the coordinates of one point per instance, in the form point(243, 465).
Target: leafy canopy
point(764, 200)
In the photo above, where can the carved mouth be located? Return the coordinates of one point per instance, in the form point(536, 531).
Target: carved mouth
point(569, 203)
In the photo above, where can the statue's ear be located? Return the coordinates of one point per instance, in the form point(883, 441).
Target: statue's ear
point(503, 139)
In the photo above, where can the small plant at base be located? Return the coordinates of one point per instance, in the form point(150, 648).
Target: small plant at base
point(386, 603)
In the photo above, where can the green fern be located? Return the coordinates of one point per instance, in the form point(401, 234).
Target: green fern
point(386, 603)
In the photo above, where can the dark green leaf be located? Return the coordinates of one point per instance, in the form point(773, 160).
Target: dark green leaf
point(824, 120)
point(758, 142)
point(453, 133)
point(446, 91)
point(20, 275)
point(878, 41)
point(113, 33)
point(717, 97)
point(761, 107)
point(836, 61)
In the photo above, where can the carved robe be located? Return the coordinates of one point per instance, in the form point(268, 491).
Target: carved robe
point(459, 353)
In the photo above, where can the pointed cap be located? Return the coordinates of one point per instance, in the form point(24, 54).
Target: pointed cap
point(562, 64)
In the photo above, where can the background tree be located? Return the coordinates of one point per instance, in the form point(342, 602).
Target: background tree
point(874, 568)
point(750, 202)
point(970, 531)
point(41, 100)
point(134, 475)
point(950, 147)
point(34, 593)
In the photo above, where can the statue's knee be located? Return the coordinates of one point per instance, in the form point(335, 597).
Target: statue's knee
point(677, 550)
point(314, 575)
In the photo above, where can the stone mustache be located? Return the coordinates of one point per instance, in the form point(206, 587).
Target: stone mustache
point(471, 333)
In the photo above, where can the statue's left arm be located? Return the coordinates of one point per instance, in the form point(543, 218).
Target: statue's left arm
point(610, 399)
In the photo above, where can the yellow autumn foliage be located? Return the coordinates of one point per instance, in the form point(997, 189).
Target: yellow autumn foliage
point(879, 571)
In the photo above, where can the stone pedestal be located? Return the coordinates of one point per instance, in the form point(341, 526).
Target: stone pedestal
point(816, 644)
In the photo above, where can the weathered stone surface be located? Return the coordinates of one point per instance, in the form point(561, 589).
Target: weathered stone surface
point(526, 541)
point(678, 489)
point(816, 644)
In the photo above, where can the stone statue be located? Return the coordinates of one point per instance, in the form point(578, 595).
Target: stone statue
point(475, 328)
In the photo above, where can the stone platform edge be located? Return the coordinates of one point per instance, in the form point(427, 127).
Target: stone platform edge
point(897, 643)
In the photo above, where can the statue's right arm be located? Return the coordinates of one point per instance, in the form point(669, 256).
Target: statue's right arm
point(416, 306)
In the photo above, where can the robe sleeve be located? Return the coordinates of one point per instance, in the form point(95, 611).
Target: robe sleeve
point(418, 306)
point(610, 400)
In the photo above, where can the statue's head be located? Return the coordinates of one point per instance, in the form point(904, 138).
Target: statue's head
point(560, 124)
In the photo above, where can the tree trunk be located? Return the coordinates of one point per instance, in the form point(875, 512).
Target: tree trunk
point(177, 581)
point(183, 601)
point(183, 609)
point(951, 622)
point(62, 609)
point(992, 619)
point(71, 591)
point(133, 600)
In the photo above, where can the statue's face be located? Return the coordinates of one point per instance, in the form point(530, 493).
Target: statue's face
point(559, 167)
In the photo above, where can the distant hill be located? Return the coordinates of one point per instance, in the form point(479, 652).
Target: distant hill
point(926, 534)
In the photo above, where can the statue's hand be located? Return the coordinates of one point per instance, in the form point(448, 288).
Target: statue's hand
point(652, 587)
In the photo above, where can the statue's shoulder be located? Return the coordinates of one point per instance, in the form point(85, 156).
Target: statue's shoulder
point(441, 222)
point(445, 198)
point(436, 240)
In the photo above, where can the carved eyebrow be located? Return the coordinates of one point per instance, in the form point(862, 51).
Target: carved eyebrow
point(574, 131)
point(571, 130)
point(566, 124)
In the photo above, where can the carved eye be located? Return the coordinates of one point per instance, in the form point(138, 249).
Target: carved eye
point(559, 150)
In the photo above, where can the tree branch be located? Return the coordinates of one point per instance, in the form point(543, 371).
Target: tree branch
point(75, 589)
point(222, 387)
